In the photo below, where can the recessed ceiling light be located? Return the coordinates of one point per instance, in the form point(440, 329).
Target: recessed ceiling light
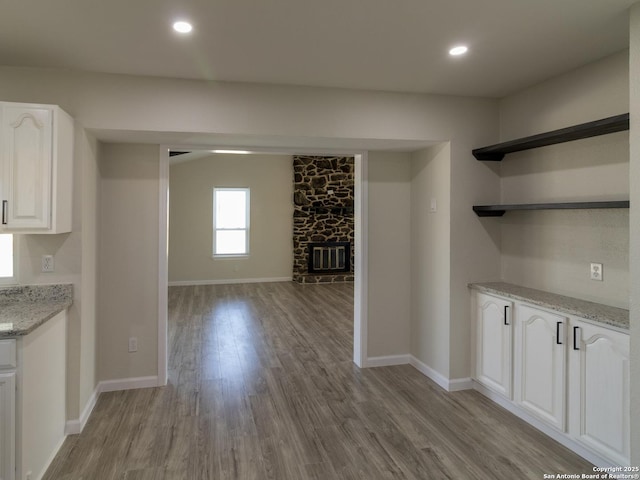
point(182, 27)
point(458, 50)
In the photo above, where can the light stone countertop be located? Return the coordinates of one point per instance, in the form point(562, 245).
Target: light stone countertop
point(596, 312)
point(23, 308)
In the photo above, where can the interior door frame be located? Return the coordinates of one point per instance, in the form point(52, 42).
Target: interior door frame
point(360, 300)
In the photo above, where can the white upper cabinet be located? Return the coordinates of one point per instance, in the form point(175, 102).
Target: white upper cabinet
point(493, 343)
point(540, 364)
point(599, 390)
point(36, 174)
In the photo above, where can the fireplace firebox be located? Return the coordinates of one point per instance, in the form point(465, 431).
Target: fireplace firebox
point(329, 257)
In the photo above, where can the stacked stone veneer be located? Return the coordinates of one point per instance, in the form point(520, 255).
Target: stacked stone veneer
point(320, 216)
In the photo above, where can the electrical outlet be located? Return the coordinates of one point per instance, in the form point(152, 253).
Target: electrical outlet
point(596, 272)
point(29, 476)
point(133, 344)
point(47, 263)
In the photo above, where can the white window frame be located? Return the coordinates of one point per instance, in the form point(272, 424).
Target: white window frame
point(247, 192)
point(13, 279)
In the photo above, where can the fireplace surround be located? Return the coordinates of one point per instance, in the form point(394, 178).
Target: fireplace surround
point(323, 214)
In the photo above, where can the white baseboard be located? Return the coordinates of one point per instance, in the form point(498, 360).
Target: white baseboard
point(558, 436)
point(452, 385)
point(231, 281)
point(458, 384)
point(127, 384)
point(386, 361)
point(73, 427)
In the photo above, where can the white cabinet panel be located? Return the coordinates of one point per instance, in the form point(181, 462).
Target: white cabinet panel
point(493, 343)
point(7, 425)
point(26, 138)
point(540, 365)
point(36, 168)
point(599, 376)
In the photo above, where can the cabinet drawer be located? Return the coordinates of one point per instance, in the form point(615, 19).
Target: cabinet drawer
point(7, 354)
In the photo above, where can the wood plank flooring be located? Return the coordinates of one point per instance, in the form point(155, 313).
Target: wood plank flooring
point(262, 386)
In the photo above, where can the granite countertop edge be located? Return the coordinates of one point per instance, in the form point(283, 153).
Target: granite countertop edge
point(25, 308)
point(595, 312)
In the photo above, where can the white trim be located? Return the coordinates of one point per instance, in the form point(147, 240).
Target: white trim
point(557, 435)
point(128, 384)
point(387, 361)
point(163, 263)
point(360, 288)
point(452, 385)
point(73, 427)
point(230, 281)
point(459, 384)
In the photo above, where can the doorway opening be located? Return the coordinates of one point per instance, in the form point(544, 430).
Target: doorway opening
point(168, 157)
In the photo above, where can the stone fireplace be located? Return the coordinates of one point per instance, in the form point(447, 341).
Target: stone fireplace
point(323, 226)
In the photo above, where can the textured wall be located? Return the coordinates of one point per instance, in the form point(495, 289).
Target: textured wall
point(323, 210)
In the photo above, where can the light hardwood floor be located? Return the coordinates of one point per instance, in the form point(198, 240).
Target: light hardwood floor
point(262, 386)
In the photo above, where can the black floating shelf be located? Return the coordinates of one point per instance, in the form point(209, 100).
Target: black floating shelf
point(499, 210)
point(604, 126)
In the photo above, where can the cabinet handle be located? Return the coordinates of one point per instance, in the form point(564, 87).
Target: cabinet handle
point(5, 203)
point(575, 338)
point(505, 315)
point(558, 342)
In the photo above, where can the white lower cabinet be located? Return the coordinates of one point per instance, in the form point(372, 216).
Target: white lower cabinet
point(493, 345)
point(599, 390)
point(570, 374)
point(7, 409)
point(540, 364)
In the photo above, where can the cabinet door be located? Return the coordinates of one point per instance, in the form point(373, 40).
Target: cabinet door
point(599, 383)
point(7, 425)
point(27, 134)
point(540, 365)
point(493, 343)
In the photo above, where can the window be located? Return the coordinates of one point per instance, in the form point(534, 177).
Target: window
point(230, 222)
point(7, 274)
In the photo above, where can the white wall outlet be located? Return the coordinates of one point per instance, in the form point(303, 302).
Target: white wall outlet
point(47, 263)
point(133, 344)
point(433, 206)
point(596, 271)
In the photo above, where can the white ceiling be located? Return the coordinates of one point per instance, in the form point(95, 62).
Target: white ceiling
point(395, 45)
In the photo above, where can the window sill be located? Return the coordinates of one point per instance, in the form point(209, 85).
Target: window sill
point(230, 257)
